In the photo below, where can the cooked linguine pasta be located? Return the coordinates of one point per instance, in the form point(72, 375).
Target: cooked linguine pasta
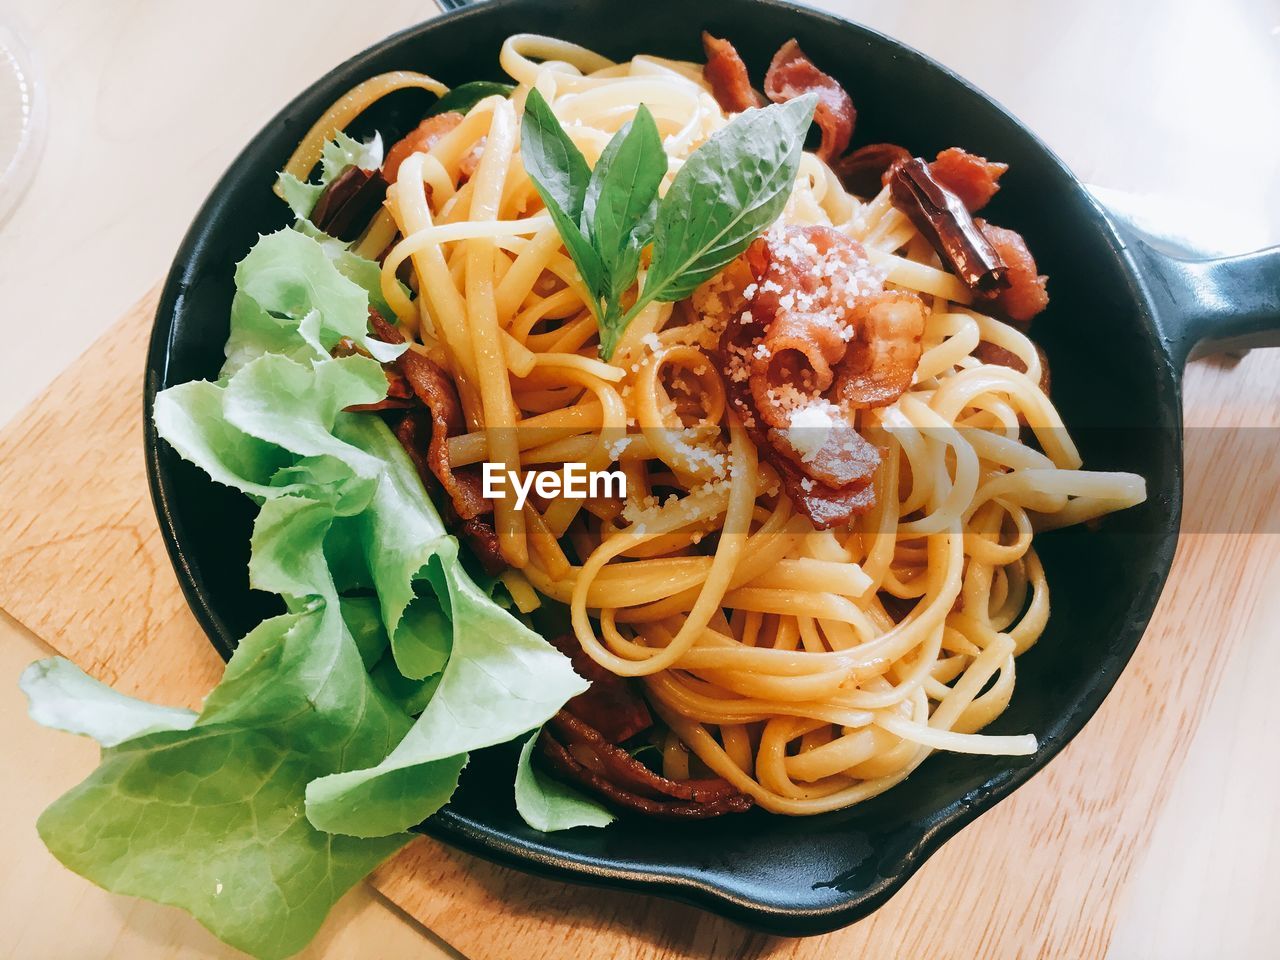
point(810, 666)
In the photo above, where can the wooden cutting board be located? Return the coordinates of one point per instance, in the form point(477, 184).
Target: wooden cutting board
point(82, 565)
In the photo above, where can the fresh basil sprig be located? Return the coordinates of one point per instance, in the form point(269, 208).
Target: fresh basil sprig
point(605, 216)
point(728, 191)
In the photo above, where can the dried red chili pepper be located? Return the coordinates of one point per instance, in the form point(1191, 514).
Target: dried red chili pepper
point(941, 216)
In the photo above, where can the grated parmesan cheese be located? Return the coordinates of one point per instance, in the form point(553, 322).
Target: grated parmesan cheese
point(809, 427)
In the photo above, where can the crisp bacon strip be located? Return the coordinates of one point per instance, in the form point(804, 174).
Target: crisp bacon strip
point(568, 766)
point(592, 749)
point(432, 386)
point(727, 75)
point(973, 179)
point(884, 354)
point(792, 74)
point(611, 704)
point(414, 433)
point(419, 140)
point(1025, 296)
point(811, 283)
point(866, 170)
point(424, 434)
point(808, 281)
point(988, 352)
point(581, 753)
point(826, 505)
point(833, 483)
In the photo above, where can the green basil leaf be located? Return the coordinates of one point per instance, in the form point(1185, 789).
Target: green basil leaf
point(560, 175)
point(727, 193)
point(619, 203)
point(619, 211)
point(466, 95)
point(553, 161)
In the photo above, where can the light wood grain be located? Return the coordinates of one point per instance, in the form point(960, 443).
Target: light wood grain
point(81, 562)
point(85, 569)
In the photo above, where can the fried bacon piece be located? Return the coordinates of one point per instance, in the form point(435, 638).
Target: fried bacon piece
point(580, 753)
point(1025, 295)
point(988, 352)
point(419, 140)
point(424, 434)
point(972, 178)
point(866, 170)
point(808, 283)
point(611, 704)
point(727, 75)
point(434, 389)
point(827, 506)
point(942, 218)
point(348, 202)
point(883, 356)
point(792, 74)
point(414, 431)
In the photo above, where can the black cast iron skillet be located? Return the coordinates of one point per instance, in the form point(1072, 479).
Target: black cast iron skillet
point(1122, 323)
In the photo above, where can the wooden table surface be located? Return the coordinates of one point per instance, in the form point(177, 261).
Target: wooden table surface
point(147, 103)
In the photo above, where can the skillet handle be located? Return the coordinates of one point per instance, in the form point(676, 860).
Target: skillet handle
point(1214, 306)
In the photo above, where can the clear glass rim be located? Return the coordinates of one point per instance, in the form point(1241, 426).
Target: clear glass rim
point(21, 69)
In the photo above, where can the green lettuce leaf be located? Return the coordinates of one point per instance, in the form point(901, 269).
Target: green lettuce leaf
point(364, 273)
point(344, 151)
point(295, 406)
point(190, 417)
point(549, 805)
point(300, 195)
point(364, 621)
point(306, 287)
point(211, 818)
point(485, 697)
point(487, 693)
point(64, 697)
point(305, 765)
point(338, 154)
